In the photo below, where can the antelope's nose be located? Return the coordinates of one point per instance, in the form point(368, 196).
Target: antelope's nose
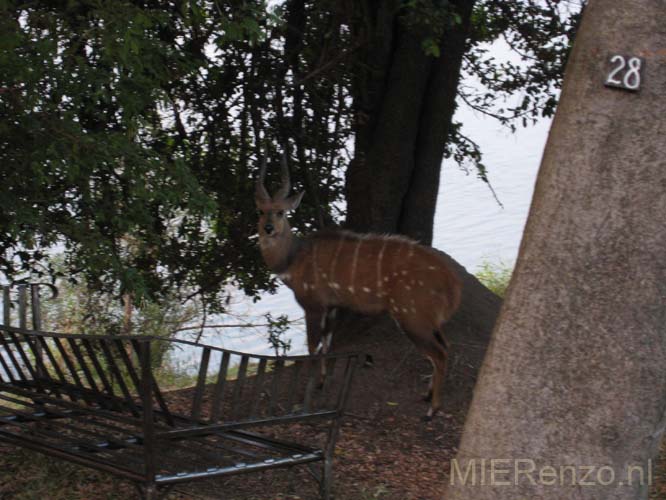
point(268, 228)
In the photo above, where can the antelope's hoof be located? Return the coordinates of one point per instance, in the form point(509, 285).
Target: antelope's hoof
point(431, 413)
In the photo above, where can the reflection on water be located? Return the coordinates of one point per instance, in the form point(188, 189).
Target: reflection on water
point(469, 223)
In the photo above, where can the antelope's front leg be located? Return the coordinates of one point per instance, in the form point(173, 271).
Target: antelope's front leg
point(319, 326)
point(314, 323)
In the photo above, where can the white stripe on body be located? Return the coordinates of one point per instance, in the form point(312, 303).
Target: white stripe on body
point(380, 258)
point(353, 269)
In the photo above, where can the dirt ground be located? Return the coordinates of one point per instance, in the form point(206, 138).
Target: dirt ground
point(385, 451)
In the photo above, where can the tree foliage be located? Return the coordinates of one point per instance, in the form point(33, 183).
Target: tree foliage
point(131, 130)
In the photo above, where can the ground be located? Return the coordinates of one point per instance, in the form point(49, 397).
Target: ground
point(384, 451)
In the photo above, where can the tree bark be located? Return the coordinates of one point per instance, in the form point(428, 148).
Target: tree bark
point(573, 389)
point(417, 214)
point(404, 101)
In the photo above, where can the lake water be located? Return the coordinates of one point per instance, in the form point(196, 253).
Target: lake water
point(469, 225)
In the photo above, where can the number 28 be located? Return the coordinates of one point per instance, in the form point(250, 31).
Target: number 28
point(625, 73)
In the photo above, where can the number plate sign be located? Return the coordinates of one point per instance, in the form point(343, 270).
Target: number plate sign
point(625, 72)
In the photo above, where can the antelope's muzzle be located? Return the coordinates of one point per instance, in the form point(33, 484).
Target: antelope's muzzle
point(269, 228)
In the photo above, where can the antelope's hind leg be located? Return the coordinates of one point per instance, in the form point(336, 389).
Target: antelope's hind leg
point(438, 355)
point(434, 348)
point(314, 323)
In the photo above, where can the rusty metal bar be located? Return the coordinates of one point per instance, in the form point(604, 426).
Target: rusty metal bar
point(165, 413)
point(315, 364)
point(147, 403)
point(41, 341)
point(70, 455)
point(82, 363)
point(68, 362)
point(111, 363)
point(201, 385)
point(10, 353)
point(40, 368)
point(24, 357)
point(98, 367)
point(218, 391)
point(278, 368)
point(255, 399)
point(127, 361)
point(10, 375)
point(238, 385)
point(295, 375)
point(329, 375)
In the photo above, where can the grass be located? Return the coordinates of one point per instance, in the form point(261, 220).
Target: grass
point(495, 276)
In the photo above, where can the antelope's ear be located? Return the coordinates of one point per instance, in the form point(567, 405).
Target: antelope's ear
point(295, 200)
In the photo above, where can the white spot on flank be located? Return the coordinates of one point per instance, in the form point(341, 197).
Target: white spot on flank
point(407, 287)
point(335, 285)
point(385, 278)
point(432, 268)
point(324, 275)
point(413, 310)
point(351, 289)
point(420, 282)
point(366, 289)
point(404, 309)
point(404, 273)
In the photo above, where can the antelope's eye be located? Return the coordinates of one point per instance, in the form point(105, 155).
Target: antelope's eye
point(280, 213)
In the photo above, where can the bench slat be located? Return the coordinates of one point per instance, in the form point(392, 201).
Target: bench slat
point(238, 386)
point(111, 363)
point(218, 391)
point(201, 385)
point(255, 399)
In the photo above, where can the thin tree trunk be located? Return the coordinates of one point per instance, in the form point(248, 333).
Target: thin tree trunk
point(127, 314)
point(572, 395)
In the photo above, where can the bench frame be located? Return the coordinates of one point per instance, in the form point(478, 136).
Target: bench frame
point(94, 400)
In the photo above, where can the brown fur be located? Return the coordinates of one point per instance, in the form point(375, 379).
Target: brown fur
point(366, 273)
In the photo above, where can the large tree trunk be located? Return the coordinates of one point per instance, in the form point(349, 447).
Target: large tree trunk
point(574, 382)
point(405, 100)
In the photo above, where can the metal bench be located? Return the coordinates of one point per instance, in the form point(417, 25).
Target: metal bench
point(94, 400)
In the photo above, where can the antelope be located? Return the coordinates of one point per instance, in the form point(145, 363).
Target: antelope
point(367, 273)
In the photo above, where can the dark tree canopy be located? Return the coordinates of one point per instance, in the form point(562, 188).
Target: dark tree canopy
point(132, 130)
